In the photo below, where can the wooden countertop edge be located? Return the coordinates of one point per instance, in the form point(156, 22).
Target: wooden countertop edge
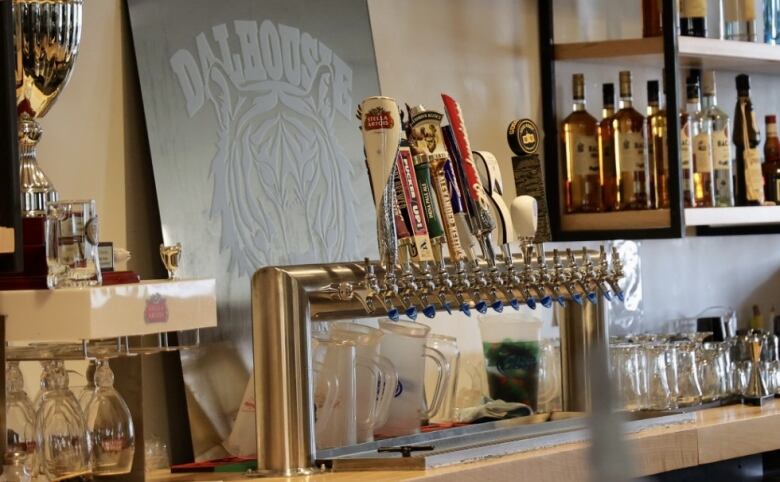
point(717, 434)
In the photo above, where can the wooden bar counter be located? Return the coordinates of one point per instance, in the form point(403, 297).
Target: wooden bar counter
point(716, 434)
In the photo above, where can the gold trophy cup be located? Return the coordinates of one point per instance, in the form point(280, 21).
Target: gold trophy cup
point(46, 37)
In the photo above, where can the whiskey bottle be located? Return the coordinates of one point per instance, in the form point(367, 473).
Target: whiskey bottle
point(657, 154)
point(771, 160)
point(693, 18)
point(721, 145)
point(738, 20)
point(749, 186)
point(686, 158)
point(701, 136)
point(630, 154)
point(609, 174)
point(651, 18)
point(582, 175)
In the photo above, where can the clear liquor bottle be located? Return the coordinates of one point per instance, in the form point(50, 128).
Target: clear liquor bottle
point(701, 132)
point(657, 152)
point(631, 156)
point(749, 185)
point(686, 159)
point(582, 173)
point(772, 21)
point(722, 159)
point(609, 174)
point(738, 20)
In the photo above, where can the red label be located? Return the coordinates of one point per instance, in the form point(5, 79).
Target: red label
point(378, 118)
point(156, 310)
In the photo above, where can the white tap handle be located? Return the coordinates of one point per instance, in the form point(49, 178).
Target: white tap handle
point(525, 217)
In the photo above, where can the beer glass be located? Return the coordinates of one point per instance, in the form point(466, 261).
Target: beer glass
point(20, 418)
point(63, 444)
point(72, 244)
point(406, 344)
point(447, 346)
point(658, 393)
point(109, 425)
point(376, 377)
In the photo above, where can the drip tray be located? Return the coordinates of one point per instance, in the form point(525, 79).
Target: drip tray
point(481, 441)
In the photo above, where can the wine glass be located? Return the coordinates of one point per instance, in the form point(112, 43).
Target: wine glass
point(63, 442)
point(110, 426)
point(88, 390)
point(20, 418)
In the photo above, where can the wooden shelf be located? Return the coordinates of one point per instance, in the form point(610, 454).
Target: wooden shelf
point(620, 220)
point(737, 216)
point(76, 314)
point(704, 53)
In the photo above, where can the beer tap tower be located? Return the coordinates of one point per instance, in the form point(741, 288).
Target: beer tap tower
point(285, 300)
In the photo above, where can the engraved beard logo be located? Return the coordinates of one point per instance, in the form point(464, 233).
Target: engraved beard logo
point(282, 188)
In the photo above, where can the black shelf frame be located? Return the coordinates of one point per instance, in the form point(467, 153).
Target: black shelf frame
point(551, 125)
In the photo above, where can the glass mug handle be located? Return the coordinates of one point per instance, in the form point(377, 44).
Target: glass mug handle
point(441, 380)
point(385, 389)
point(370, 364)
point(331, 390)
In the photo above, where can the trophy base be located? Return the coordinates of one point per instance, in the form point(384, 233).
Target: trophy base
point(33, 277)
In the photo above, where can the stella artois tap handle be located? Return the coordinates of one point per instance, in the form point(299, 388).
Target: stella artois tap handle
point(380, 124)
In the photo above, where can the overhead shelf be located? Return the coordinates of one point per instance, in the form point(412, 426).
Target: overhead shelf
point(704, 53)
point(76, 314)
point(736, 216)
point(618, 220)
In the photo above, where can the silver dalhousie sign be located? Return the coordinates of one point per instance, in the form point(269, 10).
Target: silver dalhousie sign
point(257, 155)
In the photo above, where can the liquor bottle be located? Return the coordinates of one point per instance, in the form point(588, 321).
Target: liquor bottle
point(701, 136)
point(581, 150)
point(749, 186)
point(630, 154)
point(721, 145)
point(738, 20)
point(772, 21)
point(657, 152)
point(651, 18)
point(771, 160)
point(609, 174)
point(686, 158)
point(693, 18)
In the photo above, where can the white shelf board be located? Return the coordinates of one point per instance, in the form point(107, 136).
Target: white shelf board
point(736, 216)
point(75, 314)
point(649, 219)
point(697, 52)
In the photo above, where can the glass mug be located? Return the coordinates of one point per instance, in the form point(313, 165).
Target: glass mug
point(406, 344)
point(72, 244)
point(447, 346)
point(376, 377)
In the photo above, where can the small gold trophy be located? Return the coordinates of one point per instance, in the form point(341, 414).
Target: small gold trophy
point(170, 256)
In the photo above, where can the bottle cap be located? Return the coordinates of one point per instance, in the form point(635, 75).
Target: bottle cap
point(578, 86)
point(625, 83)
point(708, 83)
point(652, 91)
point(770, 119)
point(608, 92)
point(743, 83)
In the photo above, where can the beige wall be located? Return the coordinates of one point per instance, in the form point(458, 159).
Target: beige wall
point(94, 142)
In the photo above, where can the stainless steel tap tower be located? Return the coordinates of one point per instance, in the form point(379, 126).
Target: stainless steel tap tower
point(285, 300)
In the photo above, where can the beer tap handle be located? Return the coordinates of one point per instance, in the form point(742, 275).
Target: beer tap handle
point(524, 215)
point(589, 277)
